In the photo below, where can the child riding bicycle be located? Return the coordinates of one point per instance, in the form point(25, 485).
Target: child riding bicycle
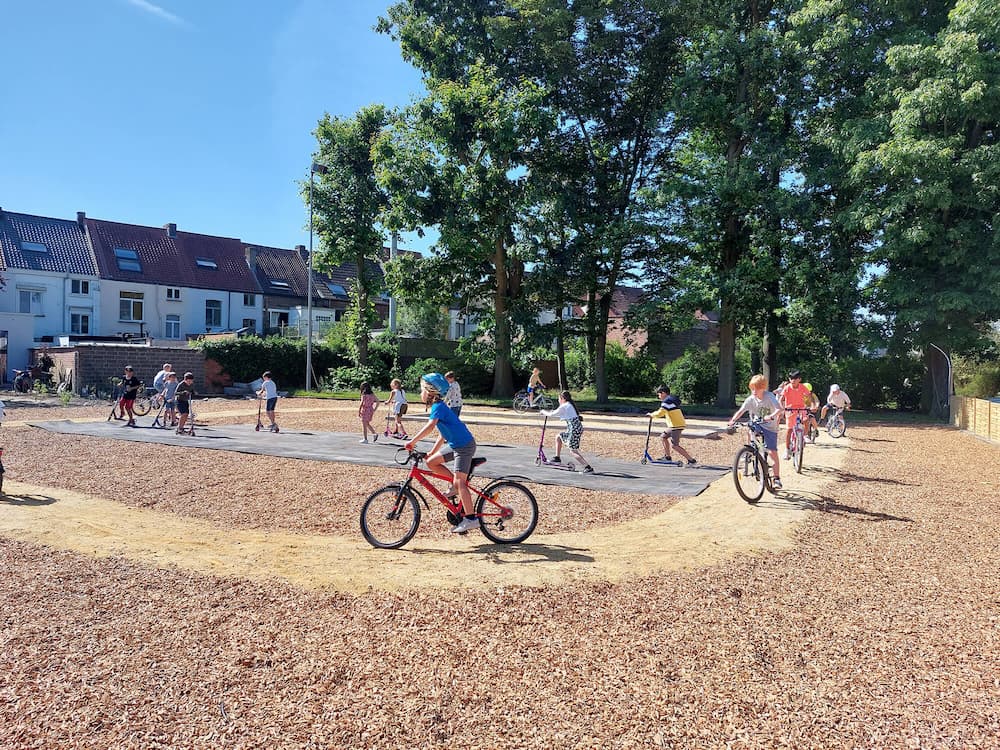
point(762, 404)
point(838, 399)
point(461, 446)
point(535, 385)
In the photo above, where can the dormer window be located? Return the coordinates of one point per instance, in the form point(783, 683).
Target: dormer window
point(336, 289)
point(34, 247)
point(206, 263)
point(280, 284)
point(128, 260)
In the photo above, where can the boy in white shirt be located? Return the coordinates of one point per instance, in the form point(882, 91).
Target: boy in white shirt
point(761, 403)
point(838, 399)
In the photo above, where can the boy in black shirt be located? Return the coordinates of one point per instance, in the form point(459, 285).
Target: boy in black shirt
point(130, 389)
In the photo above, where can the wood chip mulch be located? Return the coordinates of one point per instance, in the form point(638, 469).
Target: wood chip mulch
point(880, 629)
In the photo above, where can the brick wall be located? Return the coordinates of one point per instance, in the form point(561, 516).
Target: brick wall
point(93, 365)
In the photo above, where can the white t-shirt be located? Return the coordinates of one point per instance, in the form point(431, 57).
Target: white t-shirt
point(565, 411)
point(762, 407)
point(838, 399)
point(270, 389)
point(398, 399)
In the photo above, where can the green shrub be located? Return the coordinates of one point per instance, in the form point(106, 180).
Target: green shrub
point(694, 376)
point(244, 359)
point(411, 378)
point(472, 377)
point(984, 382)
point(350, 378)
point(629, 376)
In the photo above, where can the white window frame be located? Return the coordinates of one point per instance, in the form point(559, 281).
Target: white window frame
point(206, 263)
point(132, 299)
point(34, 300)
point(127, 259)
point(80, 287)
point(172, 321)
point(173, 294)
point(250, 323)
point(78, 321)
point(213, 307)
point(249, 300)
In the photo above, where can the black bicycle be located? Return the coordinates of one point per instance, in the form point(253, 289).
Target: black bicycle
point(752, 472)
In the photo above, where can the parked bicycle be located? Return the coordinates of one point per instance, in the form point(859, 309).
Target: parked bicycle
point(522, 402)
point(752, 471)
point(507, 511)
point(836, 424)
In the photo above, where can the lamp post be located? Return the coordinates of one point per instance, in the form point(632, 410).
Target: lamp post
point(315, 168)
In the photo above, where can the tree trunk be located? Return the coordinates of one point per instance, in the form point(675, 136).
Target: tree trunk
point(561, 348)
point(503, 375)
point(601, 346)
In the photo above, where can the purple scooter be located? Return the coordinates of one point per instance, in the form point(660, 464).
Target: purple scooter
point(541, 460)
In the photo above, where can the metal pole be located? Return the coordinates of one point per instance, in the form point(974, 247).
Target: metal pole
point(393, 251)
point(309, 291)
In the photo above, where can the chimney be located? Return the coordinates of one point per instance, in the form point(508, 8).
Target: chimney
point(251, 253)
point(81, 217)
point(301, 250)
point(171, 230)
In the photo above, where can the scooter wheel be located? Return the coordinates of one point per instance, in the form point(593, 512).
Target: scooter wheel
point(257, 428)
point(538, 461)
point(643, 461)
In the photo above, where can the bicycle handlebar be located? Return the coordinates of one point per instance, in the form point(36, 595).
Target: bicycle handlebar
point(414, 456)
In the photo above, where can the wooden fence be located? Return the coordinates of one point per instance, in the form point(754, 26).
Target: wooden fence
point(977, 415)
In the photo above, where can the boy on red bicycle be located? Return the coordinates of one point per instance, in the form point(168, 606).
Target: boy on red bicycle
point(461, 445)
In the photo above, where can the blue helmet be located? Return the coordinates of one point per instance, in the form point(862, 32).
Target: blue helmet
point(435, 383)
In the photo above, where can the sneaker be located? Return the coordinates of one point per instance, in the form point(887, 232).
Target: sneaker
point(466, 524)
point(787, 456)
point(131, 423)
point(451, 493)
point(776, 483)
point(375, 437)
point(555, 460)
point(588, 469)
point(692, 461)
point(363, 442)
point(667, 459)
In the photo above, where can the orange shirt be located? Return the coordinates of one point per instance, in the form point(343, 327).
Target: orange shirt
point(796, 396)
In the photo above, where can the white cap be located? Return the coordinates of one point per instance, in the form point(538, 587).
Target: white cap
point(834, 388)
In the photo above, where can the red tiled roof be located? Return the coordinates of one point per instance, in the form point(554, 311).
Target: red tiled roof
point(171, 260)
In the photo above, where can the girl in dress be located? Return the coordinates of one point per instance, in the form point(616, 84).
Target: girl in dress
point(574, 430)
point(366, 410)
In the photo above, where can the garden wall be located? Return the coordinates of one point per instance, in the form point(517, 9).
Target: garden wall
point(93, 365)
point(977, 415)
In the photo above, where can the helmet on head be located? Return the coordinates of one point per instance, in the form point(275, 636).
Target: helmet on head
point(808, 386)
point(834, 388)
point(434, 382)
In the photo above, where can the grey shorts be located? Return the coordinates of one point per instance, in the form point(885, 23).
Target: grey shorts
point(674, 435)
point(463, 457)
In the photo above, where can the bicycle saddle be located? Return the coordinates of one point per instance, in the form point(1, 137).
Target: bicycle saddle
point(477, 461)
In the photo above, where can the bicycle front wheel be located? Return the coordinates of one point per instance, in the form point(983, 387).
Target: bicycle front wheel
point(141, 406)
point(521, 404)
point(508, 513)
point(543, 402)
point(837, 427)
point(800, 448)
point(749, 474)
point(390, 517)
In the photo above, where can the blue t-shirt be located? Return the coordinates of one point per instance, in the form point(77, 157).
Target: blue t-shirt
point(455, 433)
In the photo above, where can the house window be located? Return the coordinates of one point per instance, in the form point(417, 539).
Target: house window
point(338, 315)
point(128, 260)
point(79, 286)
point(250, 323)
point(459, 328)
point(249, 300)
point(172, 327)
point(336, 289)
point(173, 293)
point(205, 263)
point(280, 284)
point(130, 306)
point(213, 313)
point(79, 323)
point(29, 302)
point(34, 247)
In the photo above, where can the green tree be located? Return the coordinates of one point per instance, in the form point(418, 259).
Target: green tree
point(934, 184)
point(349, 204)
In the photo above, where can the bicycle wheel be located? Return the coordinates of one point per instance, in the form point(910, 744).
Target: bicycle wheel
point(799, 448)
point(521, 404)
point(508, 514)
point(543, 402)
point(748, 474)
point(390, 517)
point(141, 406)
point(837, 426)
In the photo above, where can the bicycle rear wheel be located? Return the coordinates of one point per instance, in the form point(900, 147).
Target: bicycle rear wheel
point(543, 402)
point(390, 517)
point(749, 474)
point(509, 512)
point(141, 406)
point(837, 426)
point(799, 450)
point(521, 404)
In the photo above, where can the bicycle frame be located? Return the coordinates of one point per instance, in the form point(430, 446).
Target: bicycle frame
point(542, 460)
point(648, 459)
point(755, 442)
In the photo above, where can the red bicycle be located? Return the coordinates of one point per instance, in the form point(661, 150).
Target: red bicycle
point(507, 511)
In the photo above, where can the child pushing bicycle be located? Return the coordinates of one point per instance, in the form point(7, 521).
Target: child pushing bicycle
point(461, 446)
point(762, 404)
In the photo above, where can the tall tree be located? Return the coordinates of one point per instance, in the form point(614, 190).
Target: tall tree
point(935, 183)
point(349, 204)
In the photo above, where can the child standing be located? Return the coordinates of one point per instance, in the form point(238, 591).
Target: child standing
point(461, 446)
point(762, 404)
point(397, 407)
point(670, 407)
point(130, 390)
point(269, 390)
point(574, 430)
point(183, 396)
point(454, 396)
point(169, 399)
point(366, 410)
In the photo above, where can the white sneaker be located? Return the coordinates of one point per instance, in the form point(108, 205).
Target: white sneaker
point(466, 524)
point(787, 456)
point(363, 442)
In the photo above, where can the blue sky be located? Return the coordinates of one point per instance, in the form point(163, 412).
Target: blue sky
point(198, 112)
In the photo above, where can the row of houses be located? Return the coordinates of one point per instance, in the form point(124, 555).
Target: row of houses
point(93, 280)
